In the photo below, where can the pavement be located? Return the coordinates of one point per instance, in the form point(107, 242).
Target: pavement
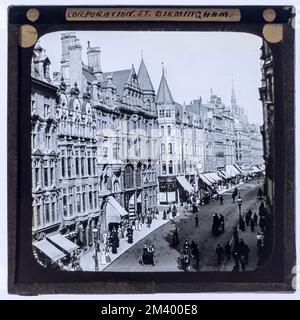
point(87, 261)
point(127, 259)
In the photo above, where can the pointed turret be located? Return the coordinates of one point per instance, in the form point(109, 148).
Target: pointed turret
point(144, 78)
point(164, 95)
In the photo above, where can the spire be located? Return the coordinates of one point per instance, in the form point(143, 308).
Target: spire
point(144, 78)
point(233, 97)
point(164, 95)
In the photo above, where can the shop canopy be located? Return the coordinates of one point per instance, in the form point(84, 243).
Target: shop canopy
point(114, 211)
point(209, 178)
point(63, 243)
point(223, 174)
point(185, 184)
point(205, 180)
point(214, 176)
point(49, 250)
point(255, 169)
point(231, 170)
point(241, 171)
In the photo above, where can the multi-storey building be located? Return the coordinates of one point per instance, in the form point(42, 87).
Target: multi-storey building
point(256, 150)
point(242, 135)
point(218, 132)
point(46, 191)
point(266, 92)
point(181, 147)
point(94, 143)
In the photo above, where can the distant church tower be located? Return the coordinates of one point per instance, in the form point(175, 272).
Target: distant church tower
point(233, 99)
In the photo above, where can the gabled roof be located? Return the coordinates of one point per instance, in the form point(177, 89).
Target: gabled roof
point(121, 78)
point(144, 78)
point(164, 95)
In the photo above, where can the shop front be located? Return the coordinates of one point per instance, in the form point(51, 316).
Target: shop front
point(168, 190)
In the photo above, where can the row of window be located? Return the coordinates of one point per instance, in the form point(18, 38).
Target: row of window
point(78, 166)
point(165, 113)
point(43, 176)
point(45, 211)
point(86, 199)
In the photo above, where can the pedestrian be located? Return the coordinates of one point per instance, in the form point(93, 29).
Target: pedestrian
point(252, 224)
point(103, 256)
point(134, 224)
point(246, 253)
point(186, 247)
point(242, 224)
point(259, 242)
point(222, 222)
point(164, 215)
point(248, 217)
point(243, 263)
point(219, 253)
point(196, 220)
point(233, 197)
point(227, 250)
point(130, 234)
point(255, 218)
point(242, 247)
point(196, 256)
point(235, 234)
point(175, 239)
point(262, 223)
point(221, 200)
point(235, 253)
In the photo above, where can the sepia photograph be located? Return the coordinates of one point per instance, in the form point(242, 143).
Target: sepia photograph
point(152, 151)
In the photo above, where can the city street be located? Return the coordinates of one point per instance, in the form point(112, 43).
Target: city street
point(167, 255)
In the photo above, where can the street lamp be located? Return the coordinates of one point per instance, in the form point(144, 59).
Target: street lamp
point(95, 236)
point(239, 201)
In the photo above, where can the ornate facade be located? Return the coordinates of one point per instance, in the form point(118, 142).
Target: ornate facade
point(93, 138)
point(266, 92)
point(181, 147)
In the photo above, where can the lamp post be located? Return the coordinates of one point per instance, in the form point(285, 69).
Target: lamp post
point(240, 205)
point(95, 236)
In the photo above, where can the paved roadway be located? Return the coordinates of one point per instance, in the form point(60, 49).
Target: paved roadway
point(161, 238)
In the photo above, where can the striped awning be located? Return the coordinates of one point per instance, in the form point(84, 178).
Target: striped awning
point(205, 180)
point(63, 243)
point(185, 184)
point(49, 250)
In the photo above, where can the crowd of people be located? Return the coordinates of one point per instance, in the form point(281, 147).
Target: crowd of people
point(237, 249)
point(189, 251)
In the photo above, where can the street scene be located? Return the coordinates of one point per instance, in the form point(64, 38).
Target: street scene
point(168, 254)
point(129, 177)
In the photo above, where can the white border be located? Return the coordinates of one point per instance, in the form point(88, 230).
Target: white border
point(3, 155)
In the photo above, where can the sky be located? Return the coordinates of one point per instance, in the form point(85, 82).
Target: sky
point(194, 62)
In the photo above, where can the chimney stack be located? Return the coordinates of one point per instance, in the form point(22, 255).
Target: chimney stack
point(94, 61)
point(75, 55)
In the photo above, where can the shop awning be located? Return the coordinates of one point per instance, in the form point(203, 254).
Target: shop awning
point(114, 211)
point(63, 243)
point(185, 184)
point(255, 169)
point(241, 171)
point(223, 174)
point(49, 249)
point(209, 178)
point(214, 176)
point(205, 180)
point(231, 170)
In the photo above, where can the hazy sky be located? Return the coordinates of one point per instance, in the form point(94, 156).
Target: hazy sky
point(195, 61)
